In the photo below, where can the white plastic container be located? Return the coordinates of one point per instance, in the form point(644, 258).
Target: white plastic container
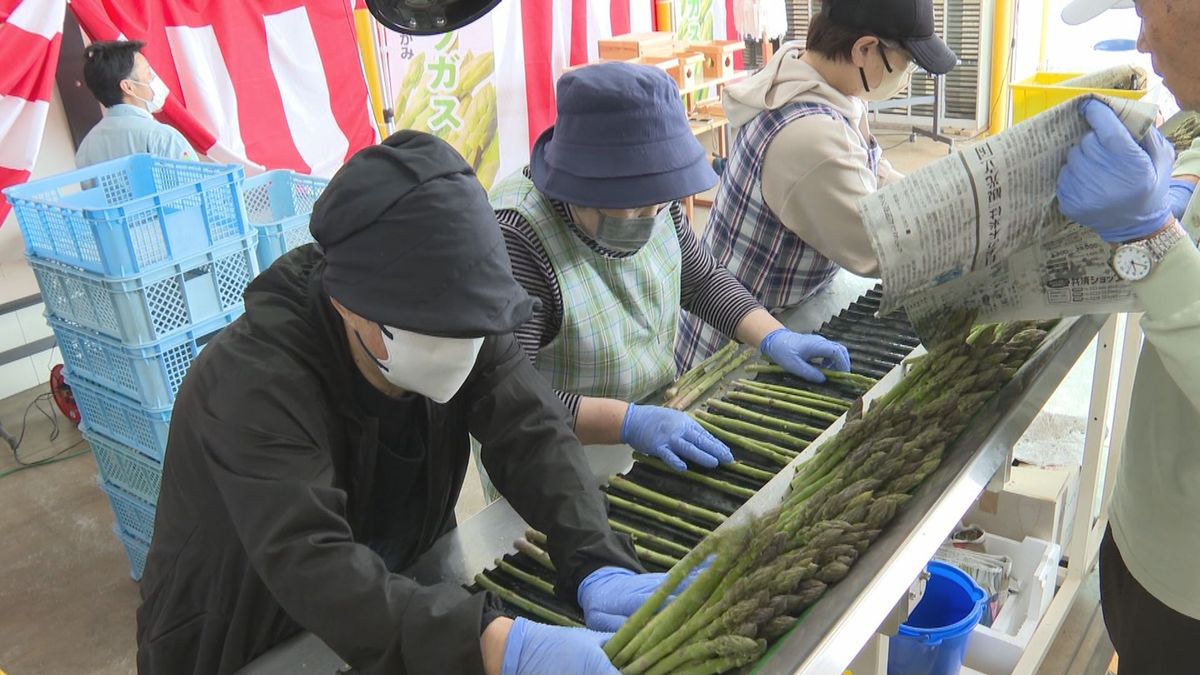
point(995, 649)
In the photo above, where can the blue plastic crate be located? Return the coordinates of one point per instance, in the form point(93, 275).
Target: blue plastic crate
point(134, 517)
point(138, 474)
point(150, 375)
point(279, 204)
point(145, 308)
point(136, 551)
point(119, 418)
point(130, 215)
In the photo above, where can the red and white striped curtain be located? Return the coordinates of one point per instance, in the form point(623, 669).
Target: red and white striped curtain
point(30, 37)
point(271, 84)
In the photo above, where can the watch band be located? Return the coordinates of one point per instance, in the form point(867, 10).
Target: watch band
point(1160, 244)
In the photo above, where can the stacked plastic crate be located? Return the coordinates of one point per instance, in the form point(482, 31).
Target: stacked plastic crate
point(280, 204)
point(141, 261)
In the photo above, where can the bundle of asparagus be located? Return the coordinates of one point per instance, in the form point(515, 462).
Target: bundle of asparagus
point(765, 421)
point(1186, 131)
point(763, 576)
point(693, 384)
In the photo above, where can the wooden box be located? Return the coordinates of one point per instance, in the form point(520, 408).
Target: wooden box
point(667, 63)
point(690, 73)
point(637, 45)
point(718, 56)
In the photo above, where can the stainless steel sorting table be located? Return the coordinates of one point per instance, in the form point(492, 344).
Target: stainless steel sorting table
point(833, 632)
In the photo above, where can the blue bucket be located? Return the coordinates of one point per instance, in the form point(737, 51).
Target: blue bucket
point(934, 638)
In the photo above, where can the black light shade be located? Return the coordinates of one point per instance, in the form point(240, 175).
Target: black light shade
point(428, 17)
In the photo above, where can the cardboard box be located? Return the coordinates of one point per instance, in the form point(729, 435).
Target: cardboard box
point(1035, 502)
point(995, 650)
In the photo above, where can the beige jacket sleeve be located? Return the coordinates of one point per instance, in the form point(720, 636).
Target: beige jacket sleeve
point(813, 175)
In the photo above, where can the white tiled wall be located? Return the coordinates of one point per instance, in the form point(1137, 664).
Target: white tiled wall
point(20, 328)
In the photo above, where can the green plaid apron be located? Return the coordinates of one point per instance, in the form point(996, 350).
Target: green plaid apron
point(619, 314)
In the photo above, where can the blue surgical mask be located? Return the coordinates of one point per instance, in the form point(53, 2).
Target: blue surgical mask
point(628, 234)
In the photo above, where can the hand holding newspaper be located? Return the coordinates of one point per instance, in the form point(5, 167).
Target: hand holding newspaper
point(981, 230)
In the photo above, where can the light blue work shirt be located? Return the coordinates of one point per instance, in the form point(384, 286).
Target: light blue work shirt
point(128, 130)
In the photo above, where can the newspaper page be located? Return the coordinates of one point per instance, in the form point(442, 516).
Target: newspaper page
point(1128, 77)
point(981, 229)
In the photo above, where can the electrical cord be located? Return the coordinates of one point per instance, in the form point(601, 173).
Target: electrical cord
point(52, 415)
point(53, 459)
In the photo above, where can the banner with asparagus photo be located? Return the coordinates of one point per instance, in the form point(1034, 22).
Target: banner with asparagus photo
point(445, 86)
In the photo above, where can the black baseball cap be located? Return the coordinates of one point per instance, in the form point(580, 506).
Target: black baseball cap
point(909, 22)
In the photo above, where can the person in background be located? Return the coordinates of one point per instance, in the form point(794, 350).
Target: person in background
point(1121, 188)
point(595, 231)
point(123, 82)
point(785, 217)
point(319, 443)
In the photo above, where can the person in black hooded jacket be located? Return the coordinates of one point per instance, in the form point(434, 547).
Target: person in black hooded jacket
point(319, 443)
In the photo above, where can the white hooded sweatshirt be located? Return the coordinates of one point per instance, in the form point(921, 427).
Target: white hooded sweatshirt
point(816, 168)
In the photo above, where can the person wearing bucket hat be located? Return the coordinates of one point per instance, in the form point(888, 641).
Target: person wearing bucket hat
point(318, 446)
point(1121, 187)
point(595, 231)
point(785, 217)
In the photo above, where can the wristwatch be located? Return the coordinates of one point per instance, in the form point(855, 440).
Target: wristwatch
point(1133, 261)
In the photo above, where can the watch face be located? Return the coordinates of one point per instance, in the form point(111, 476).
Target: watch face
point(1132, 263)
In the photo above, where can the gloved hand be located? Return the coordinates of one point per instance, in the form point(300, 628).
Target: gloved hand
point(610, 595)
point(538, 649)
point(1114, 185)
point(793, 351)
point(672, 437)
point(1180, 193)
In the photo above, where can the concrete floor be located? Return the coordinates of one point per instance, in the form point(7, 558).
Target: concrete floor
point(1081, 646)
point(66, 601)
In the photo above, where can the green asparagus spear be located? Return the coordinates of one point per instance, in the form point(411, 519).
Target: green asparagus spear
point(516, 600)
point(830, 402)
point(646, 538)
point(710, 481)
point(793, 428)
point(726, 645)
point(521, 575)
point(670, 521)
point(747, 444)
point(710, 380)
point(851, 380)
point(688, 379)
point(780, 403)
point(822, 407)
point(676, 505)
point(538, 555)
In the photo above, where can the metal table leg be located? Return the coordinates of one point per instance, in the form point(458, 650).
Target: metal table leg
point(935, 132)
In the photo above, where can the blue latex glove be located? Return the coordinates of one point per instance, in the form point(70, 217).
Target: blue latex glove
point(793, 351)
point(610, 595)
point(672, 437)
point(1114, 185)
point(538, 649)
point(1180, 193)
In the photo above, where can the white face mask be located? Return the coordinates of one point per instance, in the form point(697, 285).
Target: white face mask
point(158, 97)
point(434, 367)
point(895, 80)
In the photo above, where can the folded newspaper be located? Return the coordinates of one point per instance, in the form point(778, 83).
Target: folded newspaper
point(1127, 76)
point(981, 230)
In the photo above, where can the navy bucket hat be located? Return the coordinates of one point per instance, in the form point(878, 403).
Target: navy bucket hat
point(621, 140)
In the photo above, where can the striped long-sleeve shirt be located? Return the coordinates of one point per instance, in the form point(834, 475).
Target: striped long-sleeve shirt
point(707, 290)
